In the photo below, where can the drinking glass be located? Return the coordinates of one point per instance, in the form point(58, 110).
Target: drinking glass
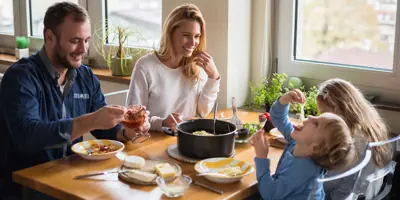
point(134, 118)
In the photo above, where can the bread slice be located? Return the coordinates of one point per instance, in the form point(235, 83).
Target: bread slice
point(165, 170)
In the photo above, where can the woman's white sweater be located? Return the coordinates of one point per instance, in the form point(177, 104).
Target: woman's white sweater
point(164, 90)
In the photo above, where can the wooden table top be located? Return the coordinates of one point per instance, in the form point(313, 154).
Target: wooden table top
point(55, 178)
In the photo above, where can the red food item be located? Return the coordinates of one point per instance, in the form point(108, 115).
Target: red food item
point(267, 115)
point(135, 116)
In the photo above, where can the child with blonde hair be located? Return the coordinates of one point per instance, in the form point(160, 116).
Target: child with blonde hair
point(344, 99)
point(321, 143)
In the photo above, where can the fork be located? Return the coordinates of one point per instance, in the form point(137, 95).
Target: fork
point(89, 151)
point(302, 112)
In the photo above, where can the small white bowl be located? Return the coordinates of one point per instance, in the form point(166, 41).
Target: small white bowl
point(175, 187)
point(81, 149)
point(214, 165)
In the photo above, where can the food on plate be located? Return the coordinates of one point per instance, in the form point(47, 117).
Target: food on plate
point(175, 189)
point(135, 116)
point(231, 171)
point(136, 162)
point(102, 148)
point(253, 127)
point(202, 133)
point(165, 170)
point(141, 175)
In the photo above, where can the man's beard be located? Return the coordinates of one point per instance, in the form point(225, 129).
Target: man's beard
point(62, 59)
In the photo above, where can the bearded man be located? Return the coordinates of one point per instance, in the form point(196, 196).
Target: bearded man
point(49, 100)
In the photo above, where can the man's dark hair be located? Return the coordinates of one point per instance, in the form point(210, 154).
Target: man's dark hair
point(55, 15)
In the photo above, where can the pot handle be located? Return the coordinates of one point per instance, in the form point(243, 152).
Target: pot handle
point(168, 131)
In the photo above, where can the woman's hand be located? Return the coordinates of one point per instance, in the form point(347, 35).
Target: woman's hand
point(171, 122)
point(205, 61)
point(260, 144)
point(293, 96)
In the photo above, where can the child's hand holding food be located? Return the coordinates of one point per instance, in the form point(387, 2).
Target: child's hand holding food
point(294, 96)
point(260, 144)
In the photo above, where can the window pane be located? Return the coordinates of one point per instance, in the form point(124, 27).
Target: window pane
point(143, 17)
point(347, 32)
point(6, 17)
point(37, 14)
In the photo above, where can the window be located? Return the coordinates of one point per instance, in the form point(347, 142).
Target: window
point(346, 32)
point(357, 45)
point(37, 12)
point(6, 17)
point(142, 17)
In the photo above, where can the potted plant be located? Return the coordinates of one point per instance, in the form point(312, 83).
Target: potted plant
point(120, 58)
point(22, 44)
point(267, 92)
point(310, 105)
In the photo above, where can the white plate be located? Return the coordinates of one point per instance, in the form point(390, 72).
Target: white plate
point(81, 149)
point(278, 135)
point(214, 165)
point(149, 167)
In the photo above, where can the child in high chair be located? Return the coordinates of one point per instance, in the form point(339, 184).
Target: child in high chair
point(366, 125)
point(321, 143)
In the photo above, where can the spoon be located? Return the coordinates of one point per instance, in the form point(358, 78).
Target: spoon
point(176, 122)
point(215, 112)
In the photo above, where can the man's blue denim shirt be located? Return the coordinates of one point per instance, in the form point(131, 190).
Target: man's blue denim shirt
point(36, 118)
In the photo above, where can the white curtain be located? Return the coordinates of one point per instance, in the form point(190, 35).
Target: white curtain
point(262, 57)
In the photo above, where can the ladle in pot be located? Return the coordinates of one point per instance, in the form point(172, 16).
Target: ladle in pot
point(215, 112)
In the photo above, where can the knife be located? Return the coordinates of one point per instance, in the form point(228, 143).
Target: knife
point(208, 187)
point(98, 174)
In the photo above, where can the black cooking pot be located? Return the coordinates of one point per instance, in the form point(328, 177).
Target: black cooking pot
point(222, 144)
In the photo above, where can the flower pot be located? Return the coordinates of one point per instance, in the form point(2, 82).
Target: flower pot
point(121, 67)
point(267, 107)
point(21, 53)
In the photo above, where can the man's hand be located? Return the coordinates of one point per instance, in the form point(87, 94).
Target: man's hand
point(108, 116)
point(260, 144)
point(143, 129)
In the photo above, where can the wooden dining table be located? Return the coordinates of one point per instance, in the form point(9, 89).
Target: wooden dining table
point(56, 178)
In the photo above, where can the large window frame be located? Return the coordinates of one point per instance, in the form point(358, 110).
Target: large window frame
point(374, 80)
point(22, 23)
point(22, 27)
point(97, 12)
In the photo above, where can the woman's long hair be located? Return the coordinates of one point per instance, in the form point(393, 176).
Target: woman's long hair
point(186, 12)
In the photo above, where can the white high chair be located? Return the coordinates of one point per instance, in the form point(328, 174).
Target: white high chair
point(361, 185)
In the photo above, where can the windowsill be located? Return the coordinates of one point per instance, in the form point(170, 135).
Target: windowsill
point(102, 74)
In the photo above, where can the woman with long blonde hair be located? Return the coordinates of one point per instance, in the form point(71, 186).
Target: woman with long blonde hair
point(344, 99)
point(180, 79)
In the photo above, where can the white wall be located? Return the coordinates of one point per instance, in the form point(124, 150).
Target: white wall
point(239, 43)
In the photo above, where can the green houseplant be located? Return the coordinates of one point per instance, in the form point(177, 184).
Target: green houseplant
point(267, 92)
point(310, 105)
point(22, 44)
point(120, 58)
